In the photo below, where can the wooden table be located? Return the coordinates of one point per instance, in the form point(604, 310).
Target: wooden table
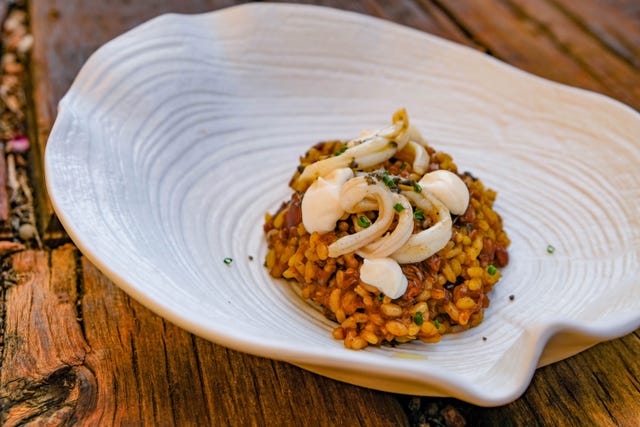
point(76, 349)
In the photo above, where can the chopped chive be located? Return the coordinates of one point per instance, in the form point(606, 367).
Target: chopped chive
point(418, 215)
point(435, 322)
point(417, 187)
point(550, 249)
point(363, 221)
point(380, 297)
point(403, 166)
point(398, 207)
point(418, 319)
point(388, 181)
point(492, 269)
point(341, 150)
point(227, 260)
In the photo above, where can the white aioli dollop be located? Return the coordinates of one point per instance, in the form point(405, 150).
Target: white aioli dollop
point(448, 188)
point(321, 207)
point(384, 274)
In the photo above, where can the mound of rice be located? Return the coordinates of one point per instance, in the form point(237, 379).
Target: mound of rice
point(447, 292)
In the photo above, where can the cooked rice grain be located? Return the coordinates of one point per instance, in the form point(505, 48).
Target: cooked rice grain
point(450, 289)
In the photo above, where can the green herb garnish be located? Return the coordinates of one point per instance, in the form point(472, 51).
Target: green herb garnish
point(418, 215)
point(435, 322)
point(227, 260)
point(417, 187)
point(380, 297)
point(398, 207)
point(550, 249)
point(418, 319)
point(492, 269)
point(388, 181)
point(341, 150)
point(363, 221)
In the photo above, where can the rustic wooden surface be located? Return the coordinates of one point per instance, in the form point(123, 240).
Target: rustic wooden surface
point(74, 349)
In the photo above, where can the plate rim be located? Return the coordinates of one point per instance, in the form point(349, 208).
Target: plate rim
point(458, 386)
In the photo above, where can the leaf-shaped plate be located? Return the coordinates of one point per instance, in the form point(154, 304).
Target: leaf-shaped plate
point(177, 137)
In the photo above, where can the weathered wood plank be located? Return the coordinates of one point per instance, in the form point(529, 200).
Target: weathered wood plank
point(274, 393)
point(628, 8)
point(43, 344)
point(136, 368)
point(125, 392)
point(616, 28)
point(149, 371)
point(520, 41)
point(615, 72)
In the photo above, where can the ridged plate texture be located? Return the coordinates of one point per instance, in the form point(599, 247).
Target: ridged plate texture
point(178, 136)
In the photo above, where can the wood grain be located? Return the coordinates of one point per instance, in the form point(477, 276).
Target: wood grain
point(103, 359)
point(165, 375)
point(570, 33)
point(43, 344)
point(615, 29)
point(76, 349)
point(543, 38)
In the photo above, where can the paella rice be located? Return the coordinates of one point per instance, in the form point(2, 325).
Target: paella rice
point(388, 238)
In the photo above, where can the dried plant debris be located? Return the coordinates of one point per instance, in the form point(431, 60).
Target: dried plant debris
point(17, 215)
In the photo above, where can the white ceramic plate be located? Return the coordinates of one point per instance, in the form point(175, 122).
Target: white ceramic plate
point(176, 138)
